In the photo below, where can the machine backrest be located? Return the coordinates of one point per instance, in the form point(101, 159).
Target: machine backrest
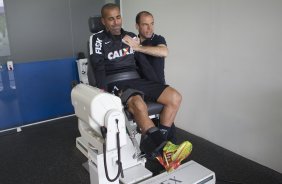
point(95, 25)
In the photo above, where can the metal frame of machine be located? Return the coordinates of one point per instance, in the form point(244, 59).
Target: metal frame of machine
point(106, 134)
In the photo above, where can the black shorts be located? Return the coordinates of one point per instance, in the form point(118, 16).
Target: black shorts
point(152, 90)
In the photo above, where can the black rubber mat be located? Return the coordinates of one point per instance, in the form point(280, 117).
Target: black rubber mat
point(46, 154)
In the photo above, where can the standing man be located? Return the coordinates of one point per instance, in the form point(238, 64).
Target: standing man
point(111, 60)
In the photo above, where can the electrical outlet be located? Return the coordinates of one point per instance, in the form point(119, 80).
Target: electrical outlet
point(10, 65)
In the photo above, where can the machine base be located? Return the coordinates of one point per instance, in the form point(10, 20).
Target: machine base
point(135, 174)
point(81, 144)
point(188, 173)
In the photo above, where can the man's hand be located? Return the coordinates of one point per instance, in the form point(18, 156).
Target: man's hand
point(134, 43)
point(157, 51)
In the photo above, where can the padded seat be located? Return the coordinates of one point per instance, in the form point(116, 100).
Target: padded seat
point(153, 109)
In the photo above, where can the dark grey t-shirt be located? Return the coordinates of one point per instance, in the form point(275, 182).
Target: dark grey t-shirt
point(157, 63)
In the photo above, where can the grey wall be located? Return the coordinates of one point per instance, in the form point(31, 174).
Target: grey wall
point(43, 30)
point(225, 59)
point(80, 12)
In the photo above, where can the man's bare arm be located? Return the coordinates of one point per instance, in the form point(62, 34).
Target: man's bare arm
point(160, 50)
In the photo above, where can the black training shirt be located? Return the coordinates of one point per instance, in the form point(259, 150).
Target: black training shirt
point(108, 55)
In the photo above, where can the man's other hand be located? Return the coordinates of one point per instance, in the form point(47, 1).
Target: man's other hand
point(134, 43)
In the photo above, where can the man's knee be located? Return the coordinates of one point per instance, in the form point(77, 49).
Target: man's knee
point(127, 93)
point(176, 98)
point(171, 97)
point(136, 104)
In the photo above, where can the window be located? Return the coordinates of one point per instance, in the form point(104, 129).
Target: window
point(4, 41)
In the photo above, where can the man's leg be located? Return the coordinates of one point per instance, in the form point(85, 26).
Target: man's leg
point(138, 108)
point(173, 154)
point(171, 100)
point(153, 141)
point(154, 144)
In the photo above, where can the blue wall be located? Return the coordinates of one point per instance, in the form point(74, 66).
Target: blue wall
point(42, 91)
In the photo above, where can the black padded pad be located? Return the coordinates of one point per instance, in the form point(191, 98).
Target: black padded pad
point(154, 108)
point(95, 24)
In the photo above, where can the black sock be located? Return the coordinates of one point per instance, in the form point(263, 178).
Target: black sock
point(171, 134)
point(164, 130)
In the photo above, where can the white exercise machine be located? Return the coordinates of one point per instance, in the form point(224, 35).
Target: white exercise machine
point(111, 143)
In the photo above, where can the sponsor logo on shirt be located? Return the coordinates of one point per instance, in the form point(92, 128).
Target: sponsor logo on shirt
point(120, 53)
point(98, 46)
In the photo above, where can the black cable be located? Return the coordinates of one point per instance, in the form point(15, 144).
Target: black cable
point(119, 158)
point(120, 170)
point(106, 169)
point(118, 149)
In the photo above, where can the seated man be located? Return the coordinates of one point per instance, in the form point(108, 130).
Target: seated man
point(152, 45)
point(111, 58)
point(155, 49)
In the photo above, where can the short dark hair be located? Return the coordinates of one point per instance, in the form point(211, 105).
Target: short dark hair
point(108, 6)
point(138, 16)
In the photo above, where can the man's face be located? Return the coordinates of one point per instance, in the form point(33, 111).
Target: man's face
point(146, 26)
point(112, 21)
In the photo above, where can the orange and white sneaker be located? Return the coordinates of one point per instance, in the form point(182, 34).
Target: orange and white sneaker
point(174, 154)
